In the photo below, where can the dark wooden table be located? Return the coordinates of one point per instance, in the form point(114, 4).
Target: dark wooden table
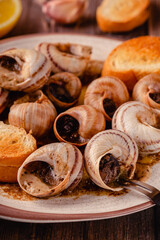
point(144, 225)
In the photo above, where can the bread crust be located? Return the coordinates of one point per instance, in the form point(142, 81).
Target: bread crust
point(126, 20)
point(133, 59)
point(15, 146)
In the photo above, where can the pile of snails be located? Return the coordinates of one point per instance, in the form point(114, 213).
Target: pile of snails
point(52, 81)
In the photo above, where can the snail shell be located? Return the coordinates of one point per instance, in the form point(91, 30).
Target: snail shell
point(142, 123)
point(23, 70)
point(63, 89)
point(111, 155)
point(33, 112)
point(147, 90)
point(51, 169)
point(106, 94)
point(78, 124)
point(66, 57)
point(3, 99)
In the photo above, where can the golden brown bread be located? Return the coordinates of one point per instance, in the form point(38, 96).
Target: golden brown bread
point(8, 174)
point(15, 146)
point(134, 59)
point(122, 15)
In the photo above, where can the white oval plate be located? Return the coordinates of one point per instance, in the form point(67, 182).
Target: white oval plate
point(86, 207)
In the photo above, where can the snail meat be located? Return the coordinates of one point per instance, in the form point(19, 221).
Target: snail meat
point(63, 89)
point(78, 124)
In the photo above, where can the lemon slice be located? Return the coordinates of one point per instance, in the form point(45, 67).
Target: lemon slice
point(10, 11)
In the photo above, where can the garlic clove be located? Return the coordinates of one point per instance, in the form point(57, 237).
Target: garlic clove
point(64, 11)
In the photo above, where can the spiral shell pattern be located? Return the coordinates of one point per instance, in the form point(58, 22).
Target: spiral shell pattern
point(51, 169)
point(23, 70)
point(3, 99)
point(71, 58)
point(90, 121)
point(124, 152)
point(34, 113)
point(106, 88)
point(63, 89)
point(147, 90)
point(142, 123)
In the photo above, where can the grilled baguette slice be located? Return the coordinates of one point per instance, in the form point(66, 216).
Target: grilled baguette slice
point(15, 146)
point(122, 15)
point(133, 59)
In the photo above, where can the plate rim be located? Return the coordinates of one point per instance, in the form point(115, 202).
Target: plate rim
point(15, 214)
point(9, 39)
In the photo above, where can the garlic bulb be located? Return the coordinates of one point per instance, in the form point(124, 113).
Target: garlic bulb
point(147, 90)
point(33, 112)
point(23, 70)
point(78, 124)
point(65, 11)
point(142, 123)
point(106, 94)
point(51, 169)
point(111, 155)
point(63, 89)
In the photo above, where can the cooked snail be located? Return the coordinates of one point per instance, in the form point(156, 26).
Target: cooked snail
point(142, 123)
point(51, 169)
point(73, 58)
point(63, 89)
point(66, 57)
point(33, 112)
point(106, 94)
point(111, 156)
point(3, 99)
point(147, 90)
point(78, 124)
point(23, 70)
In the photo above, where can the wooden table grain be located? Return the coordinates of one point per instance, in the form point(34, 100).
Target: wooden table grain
point(144, 225)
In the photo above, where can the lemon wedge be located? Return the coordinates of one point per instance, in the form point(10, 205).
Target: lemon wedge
point(10, 11)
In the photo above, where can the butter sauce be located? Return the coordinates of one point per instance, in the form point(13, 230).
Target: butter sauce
point(86, 186)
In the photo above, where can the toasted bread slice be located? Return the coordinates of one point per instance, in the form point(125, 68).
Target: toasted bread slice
point(122, 15)
point(8, 174)
point(15, 145)
point(134, 59)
